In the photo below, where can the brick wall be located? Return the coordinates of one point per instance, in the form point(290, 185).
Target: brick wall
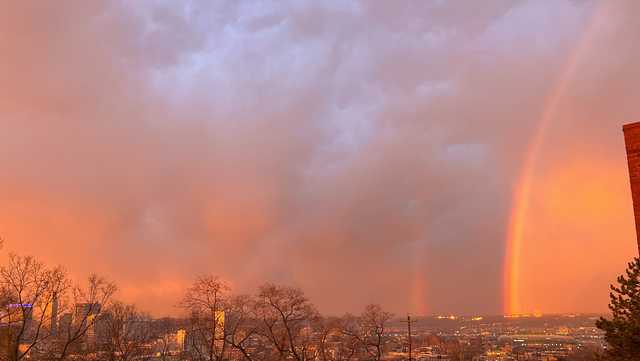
point(632, 141)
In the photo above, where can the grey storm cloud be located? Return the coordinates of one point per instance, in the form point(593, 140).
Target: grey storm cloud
point(352, 148)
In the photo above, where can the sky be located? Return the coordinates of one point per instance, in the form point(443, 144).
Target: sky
point(431, 156)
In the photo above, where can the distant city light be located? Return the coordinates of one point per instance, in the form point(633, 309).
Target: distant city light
point(450, 317)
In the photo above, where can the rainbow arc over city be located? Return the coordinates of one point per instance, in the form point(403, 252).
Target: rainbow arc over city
point(522, 192)
point(523, 189)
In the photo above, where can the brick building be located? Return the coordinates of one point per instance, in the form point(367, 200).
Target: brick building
point(632, 141)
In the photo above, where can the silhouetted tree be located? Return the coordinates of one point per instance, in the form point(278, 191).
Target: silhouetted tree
point(165, 335)
point(287, 319)
point(369, 330)
point(206, 300)
point(241, 326)
point(30, 290)
point(127, 332)
point(622, 331)
point(84, 306)
point(334, 344)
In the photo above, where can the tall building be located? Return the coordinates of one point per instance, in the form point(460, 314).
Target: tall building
point(84, 316)
point(180, 338)
point(101, 328)
point(51, 316)
point(64, 324)
point(632, 141)
point(204, 331)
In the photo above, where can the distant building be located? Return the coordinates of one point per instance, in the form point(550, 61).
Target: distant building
point(86, 311)
point(102, 328)
point(7, 341)
point(64, 324)
point(198, 336)
point(51, 316)
point(16, 313)
point(83, 316)
point(632, 141)
point(180, 338)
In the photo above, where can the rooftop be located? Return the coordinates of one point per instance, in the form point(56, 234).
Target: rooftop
point(630, 125)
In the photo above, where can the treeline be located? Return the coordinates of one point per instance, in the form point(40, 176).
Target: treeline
point(277, 323)
point(33, 295)
point(50, 317)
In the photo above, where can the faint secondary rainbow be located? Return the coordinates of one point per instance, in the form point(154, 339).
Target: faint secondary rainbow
point(521, 196)
point(418, 287)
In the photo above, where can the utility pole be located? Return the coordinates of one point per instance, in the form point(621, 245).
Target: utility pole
point(408, 321)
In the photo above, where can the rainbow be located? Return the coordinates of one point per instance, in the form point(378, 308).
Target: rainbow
point(521, 196)
point(418, 305)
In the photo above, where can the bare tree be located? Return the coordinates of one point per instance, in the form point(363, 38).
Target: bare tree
point(327, 328)
point(242, 326)
point(286, 318)
point(127, 332)
point(334, 344)
point(30, 289)
point(206, 300)
point(165, 334)
point(84, 307)
point(369, 330)
point(373, 322)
